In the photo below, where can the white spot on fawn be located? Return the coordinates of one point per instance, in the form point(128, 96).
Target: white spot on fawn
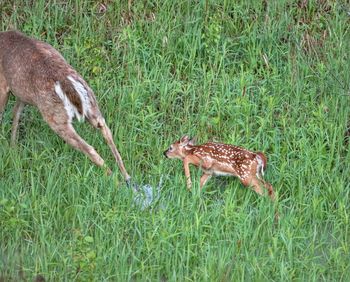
point(83, 94)
point(68, 106)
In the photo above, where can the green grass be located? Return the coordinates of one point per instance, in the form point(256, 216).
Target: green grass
point(272, 77)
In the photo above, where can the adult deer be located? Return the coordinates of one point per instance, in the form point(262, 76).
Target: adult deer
point(38, 75)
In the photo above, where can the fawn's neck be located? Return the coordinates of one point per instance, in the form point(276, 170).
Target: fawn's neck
point(188, 150)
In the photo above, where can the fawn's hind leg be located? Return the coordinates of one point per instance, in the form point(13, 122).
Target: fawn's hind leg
point(269, 188)
point(204, 178)
point(17, 111)
point(257, 185)
point(254, 183)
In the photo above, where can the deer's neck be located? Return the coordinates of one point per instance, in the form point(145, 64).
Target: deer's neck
point(188, 150)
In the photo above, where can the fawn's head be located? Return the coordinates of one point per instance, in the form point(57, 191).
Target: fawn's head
point(179, 148)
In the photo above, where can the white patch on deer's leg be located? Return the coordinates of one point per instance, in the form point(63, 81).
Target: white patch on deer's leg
point(83, 94)
point(71, 110)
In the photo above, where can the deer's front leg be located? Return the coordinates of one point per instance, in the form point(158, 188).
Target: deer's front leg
point(4, 94)
point(186, 163)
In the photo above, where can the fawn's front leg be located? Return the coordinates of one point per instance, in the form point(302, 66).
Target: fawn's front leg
point(186, 163)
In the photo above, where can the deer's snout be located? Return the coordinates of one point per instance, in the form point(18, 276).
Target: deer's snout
point(165, 153)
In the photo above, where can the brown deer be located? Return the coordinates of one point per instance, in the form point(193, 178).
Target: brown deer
point(38, 75)
point(222, 159)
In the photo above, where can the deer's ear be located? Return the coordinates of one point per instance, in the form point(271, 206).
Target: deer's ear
point(193, 141)
point(184, 140)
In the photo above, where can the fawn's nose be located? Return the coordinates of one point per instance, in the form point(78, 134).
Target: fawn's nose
point(164, 153)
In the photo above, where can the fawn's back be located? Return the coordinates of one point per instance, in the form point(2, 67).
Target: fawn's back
point(224, 153)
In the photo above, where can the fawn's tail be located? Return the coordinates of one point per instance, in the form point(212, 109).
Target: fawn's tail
point(262, 162)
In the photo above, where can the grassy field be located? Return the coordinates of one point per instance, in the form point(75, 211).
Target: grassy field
point(268, 75)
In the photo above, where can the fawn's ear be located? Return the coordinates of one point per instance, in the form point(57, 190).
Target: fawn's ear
point(193, 141)
point(184, 140)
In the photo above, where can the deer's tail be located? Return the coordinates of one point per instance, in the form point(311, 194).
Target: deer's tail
point(262, 163)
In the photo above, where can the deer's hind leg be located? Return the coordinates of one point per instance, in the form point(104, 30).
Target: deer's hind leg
point(258, 184)
point(254, 184)
point(59, 122)
point(269, 188)
point(204, 179)
point(100, 123)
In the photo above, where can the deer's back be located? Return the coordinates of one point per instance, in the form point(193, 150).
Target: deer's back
point(30, 66)
point(224, 154)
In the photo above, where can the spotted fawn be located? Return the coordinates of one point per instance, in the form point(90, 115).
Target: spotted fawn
point(222, 159)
